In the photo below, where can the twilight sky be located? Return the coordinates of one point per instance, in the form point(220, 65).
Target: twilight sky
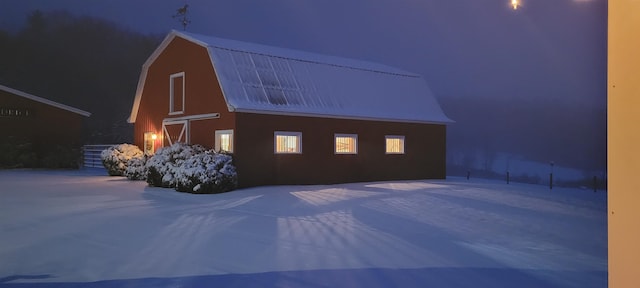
point(548, 50)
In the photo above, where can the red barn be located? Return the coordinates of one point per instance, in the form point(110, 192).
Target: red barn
point(47, 127)
point(289, 117)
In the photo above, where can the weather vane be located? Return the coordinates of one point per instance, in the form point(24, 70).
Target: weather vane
point(181, 14)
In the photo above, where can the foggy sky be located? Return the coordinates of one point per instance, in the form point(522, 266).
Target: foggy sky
point(548, 50)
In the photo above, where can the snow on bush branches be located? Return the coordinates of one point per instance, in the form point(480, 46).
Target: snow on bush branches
point(136, 169)
point(191, 168)
point(163, 166)
point(186, 168)
point(207, 172)
point(116, 158)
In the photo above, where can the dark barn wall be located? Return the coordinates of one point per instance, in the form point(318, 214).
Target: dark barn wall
point(47, 123)
point(202, 93)
point(46, 128)
point(424, 157)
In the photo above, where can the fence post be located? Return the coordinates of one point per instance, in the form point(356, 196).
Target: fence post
point(468, 174)
point(550, 181)
point(507, 177)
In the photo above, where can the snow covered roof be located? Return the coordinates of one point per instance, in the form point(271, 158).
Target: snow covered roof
point(270, 80)
point(44, 101)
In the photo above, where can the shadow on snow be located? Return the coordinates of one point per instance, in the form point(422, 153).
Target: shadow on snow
point(369, 277)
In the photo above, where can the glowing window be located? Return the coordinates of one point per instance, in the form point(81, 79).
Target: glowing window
point(224, 141)
point(288, 142)
point(394, 144)
point(346, 144)
point(176, 93)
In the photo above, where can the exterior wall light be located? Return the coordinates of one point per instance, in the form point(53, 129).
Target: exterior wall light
point(515, 4)
point(150, 143)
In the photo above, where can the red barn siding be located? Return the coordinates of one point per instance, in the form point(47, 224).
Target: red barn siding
point(258, 164)
point(47, 123)
point(202, 92)
point(254, 156)
point(46, 128)
point(203, 131)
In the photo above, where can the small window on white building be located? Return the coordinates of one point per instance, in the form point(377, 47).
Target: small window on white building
point(176, 93)
point(224, 141)
point(346, 143)
point(287, 142)
point(394, 144)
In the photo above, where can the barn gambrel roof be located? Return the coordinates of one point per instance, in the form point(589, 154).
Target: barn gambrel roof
point(269, 80)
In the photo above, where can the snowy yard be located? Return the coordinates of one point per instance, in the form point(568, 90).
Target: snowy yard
point(82, 229)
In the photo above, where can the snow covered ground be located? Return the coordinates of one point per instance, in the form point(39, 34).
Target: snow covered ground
point(83, 229)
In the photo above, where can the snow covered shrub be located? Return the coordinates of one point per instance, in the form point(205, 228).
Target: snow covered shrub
point(136, 169)
point(161, 168)
point(207, 172)
point(116, 158)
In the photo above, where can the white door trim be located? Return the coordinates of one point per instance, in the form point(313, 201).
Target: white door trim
point(184, 132)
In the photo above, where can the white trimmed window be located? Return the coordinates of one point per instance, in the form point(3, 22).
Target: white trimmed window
point(224, 141)
point(176, 93)
point(394, 144)
point(346, 143)
point(287, 142)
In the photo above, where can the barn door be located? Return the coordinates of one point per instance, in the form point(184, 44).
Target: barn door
point(175, 131)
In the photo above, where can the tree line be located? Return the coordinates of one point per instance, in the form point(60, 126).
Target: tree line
point(84, 62)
